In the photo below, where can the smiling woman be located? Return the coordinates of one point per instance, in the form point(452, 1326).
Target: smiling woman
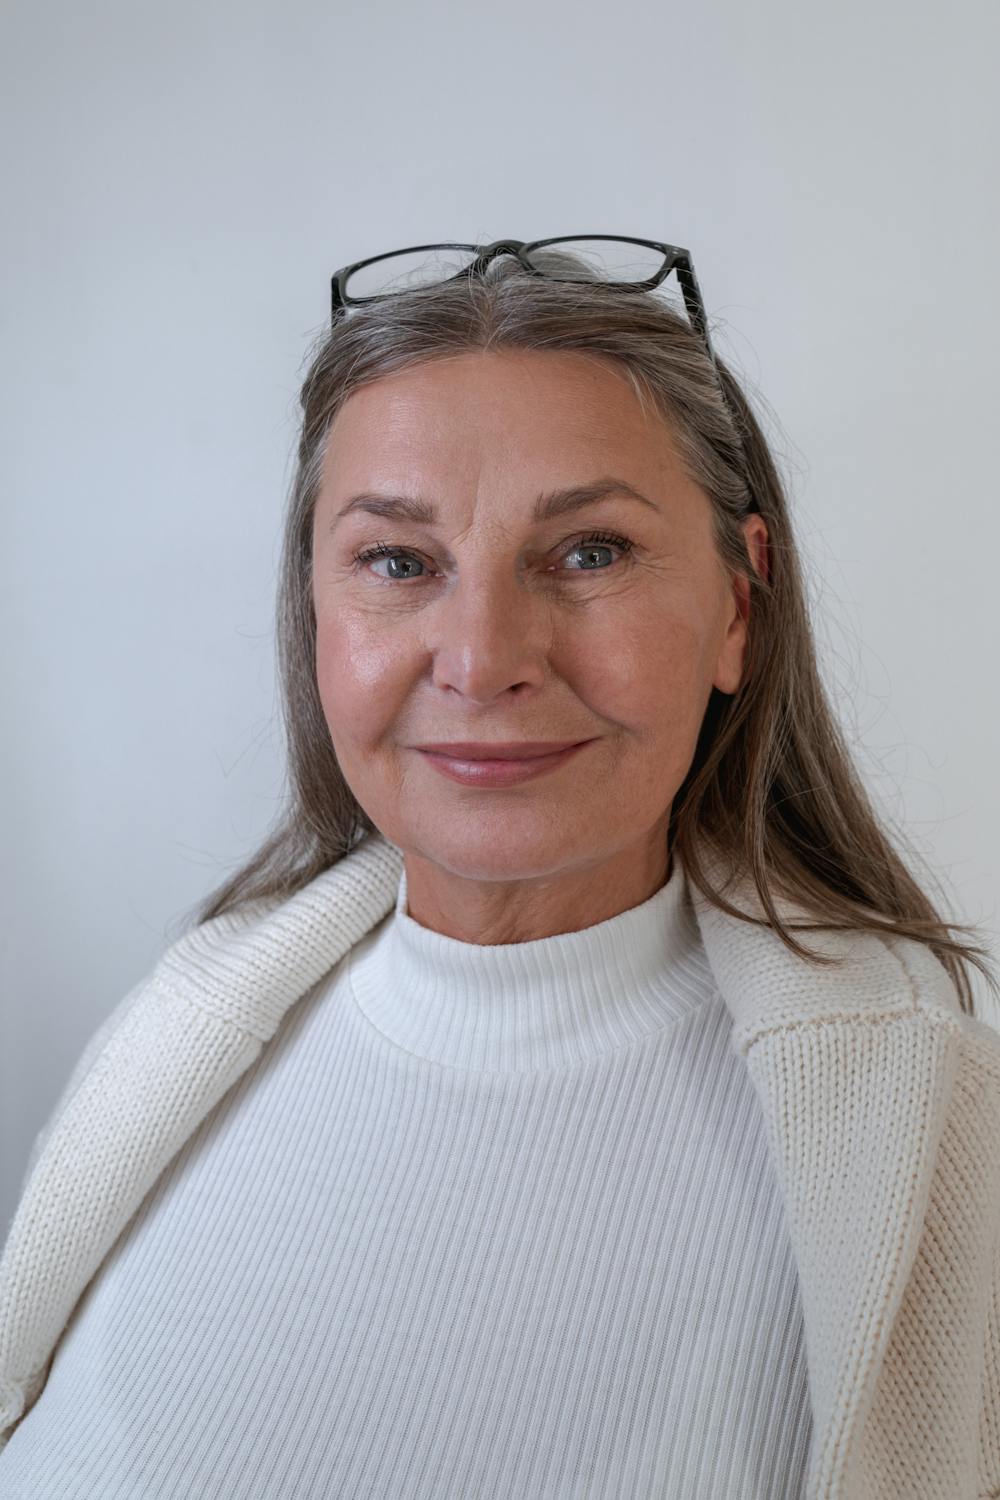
point(492, 1132)
point(494, 622)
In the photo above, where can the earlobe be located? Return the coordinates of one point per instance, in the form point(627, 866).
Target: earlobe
point(736, 637)
point(729, 667)
point(734, 648)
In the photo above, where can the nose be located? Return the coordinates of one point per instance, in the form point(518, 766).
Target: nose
point(488, 634)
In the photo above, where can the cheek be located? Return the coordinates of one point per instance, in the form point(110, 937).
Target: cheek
point(651, 676)
point(355, 675)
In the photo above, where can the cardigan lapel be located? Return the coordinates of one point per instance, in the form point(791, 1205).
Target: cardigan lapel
point(856, 1067)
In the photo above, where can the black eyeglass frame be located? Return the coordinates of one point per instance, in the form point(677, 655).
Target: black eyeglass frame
point(674, 259)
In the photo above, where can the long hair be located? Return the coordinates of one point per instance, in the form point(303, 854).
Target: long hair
point(771, 788)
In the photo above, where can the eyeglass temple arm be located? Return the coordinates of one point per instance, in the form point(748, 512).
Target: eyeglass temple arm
point(693, 301)
point(699, 319)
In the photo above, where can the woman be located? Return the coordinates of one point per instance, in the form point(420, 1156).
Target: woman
point(491, 1133)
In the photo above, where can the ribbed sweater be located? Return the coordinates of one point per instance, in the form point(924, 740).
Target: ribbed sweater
point(481, 1221)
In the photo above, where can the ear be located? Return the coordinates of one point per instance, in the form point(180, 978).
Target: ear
point(729, 666)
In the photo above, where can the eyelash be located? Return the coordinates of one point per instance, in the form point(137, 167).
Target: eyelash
point(593, 538)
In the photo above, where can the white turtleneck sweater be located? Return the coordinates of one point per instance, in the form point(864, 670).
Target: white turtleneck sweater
point(480, 1223)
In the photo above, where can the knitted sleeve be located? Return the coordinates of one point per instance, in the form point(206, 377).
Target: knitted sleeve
point(201, 937)
point(80, 1070)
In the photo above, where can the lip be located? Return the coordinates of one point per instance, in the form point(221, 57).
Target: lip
point(496, 749)
point(499, 772)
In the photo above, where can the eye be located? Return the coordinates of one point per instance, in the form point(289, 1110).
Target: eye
point(601, 539)
point(381, 550)
point(594, 539)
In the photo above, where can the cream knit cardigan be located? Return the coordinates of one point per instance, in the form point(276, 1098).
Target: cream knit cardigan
point(882, 1106)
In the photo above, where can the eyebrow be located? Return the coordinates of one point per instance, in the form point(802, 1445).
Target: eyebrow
point(548, 505)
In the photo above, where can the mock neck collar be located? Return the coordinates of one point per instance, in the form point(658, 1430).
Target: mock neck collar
point(547, 1003)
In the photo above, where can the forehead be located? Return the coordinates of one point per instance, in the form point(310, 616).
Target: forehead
point(461, 414)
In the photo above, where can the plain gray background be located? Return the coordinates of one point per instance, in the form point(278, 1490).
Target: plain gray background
point(179, 183)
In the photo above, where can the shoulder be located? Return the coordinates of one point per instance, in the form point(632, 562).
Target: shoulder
point(275, 946)
point(841, 975)
point(92, 1049)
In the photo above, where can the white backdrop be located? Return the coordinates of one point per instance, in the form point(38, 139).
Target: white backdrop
point(179, 183)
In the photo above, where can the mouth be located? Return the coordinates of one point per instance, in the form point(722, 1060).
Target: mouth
point(467, 750)
point(499, 771)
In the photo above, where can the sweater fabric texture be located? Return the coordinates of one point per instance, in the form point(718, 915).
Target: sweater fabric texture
point(336, 1204)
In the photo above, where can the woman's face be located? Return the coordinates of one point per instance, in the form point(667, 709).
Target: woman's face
point(492, 625)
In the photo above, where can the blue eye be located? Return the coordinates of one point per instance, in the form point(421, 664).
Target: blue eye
point(593, 539)
point(381, 550)
point(602, 539)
